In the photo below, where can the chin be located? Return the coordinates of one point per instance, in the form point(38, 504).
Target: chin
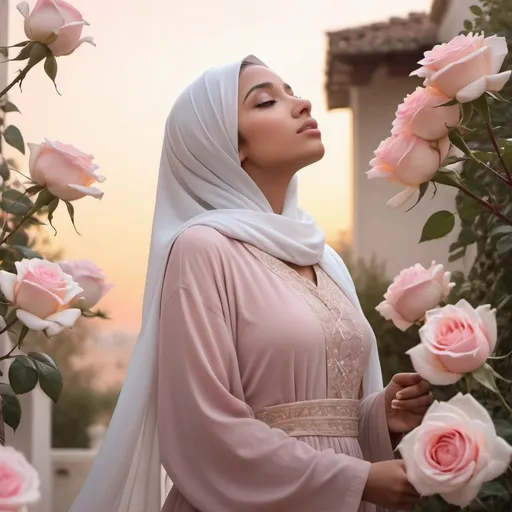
point(312, 154)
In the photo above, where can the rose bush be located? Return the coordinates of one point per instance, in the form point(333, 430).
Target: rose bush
point(19, 481)
point(90, 278)
point(409, 161)
point(64, 171)
point(454, 451)
point(455, 340)
point(42, 293)
point(420, 114)
point(413, 292)
point(54, 23)
point(465, 67)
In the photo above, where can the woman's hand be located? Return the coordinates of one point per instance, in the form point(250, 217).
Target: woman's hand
point(387, 486)
point(407, 399)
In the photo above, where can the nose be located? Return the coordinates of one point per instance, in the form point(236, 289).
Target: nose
point(301, 107)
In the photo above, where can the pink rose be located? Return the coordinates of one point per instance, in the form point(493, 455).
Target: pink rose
point(54, 23)
point(65, 171)
point(455, 340)
point(454, 451)
point(42, 292)
point(413, 292)
point(465, 67)
point(19, 481)
point(420, 115)
point(90, 278)
point(409, 161)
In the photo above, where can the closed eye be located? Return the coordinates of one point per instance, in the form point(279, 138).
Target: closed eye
point(266, 104)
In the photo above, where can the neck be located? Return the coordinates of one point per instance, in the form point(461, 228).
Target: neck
point(274, 185)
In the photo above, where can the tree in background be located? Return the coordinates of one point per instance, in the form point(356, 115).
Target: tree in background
point(82, 403)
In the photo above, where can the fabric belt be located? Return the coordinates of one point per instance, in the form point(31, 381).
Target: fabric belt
point(327, 417)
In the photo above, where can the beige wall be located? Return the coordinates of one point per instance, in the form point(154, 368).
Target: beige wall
point(390, 234)
point(453, 20)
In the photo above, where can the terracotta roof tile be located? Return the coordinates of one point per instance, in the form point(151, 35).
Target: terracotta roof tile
point(354, 53)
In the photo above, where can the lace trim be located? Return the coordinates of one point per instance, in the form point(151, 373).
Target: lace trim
point(344, 339)
point(329, 417)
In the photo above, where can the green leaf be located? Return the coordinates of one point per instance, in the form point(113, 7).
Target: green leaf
point(504, 244)
point(50, 378)
point(51, 209)
point(485, 376)
point(467, 236)
point(10, 107)
point(13, 137)
point(457, 255)
point(422, 191)
point(37, 54)
point(438, 225)
point(482, 106)
point(448, 103)
point(11, 408)
point(16, 202)
point(446, 176)
point(476, 10)
point(5, 172)
point(504, 429)
point(24, 53)
point(502, 229)
point(34, 189)
point(22, 375)
point(51, 68)
point(468, 25)
point(71, 211)
point(27, 252)
point(44, 198)
point(495, 491)
point(457, 140)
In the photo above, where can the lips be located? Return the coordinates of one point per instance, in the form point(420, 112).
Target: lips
point(310, 124)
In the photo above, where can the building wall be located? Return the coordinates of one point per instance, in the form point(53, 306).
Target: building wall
point(390, 234)
point(452, 23)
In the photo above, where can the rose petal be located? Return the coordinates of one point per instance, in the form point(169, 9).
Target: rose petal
point(430, 368)
point(88, 191)
point(498, 50)
point(496, 82)
point(462, 497)
point(472, 91)
point(35, 149)
point(7, 283)
point(31, 321)
point(24, 9)
point(488, 318)
point(500, 458)
point(67, 318)
point(54, 328)
point(402, 197)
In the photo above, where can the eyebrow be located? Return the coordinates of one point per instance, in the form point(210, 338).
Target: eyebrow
point(264, 85)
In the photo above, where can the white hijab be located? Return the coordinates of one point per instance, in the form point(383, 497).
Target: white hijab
point(200, 182)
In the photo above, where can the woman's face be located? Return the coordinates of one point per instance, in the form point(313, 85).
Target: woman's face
point(276, 129)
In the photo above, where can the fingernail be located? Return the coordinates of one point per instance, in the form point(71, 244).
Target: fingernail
point(399, 395)
point(394, 404)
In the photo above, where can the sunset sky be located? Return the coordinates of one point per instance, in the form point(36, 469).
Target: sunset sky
point(116, 97)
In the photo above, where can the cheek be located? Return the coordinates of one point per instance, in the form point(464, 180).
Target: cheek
point(268, 130)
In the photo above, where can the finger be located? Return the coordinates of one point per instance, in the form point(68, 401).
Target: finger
point(406, 379)
point(422, 402)
point(419, 389)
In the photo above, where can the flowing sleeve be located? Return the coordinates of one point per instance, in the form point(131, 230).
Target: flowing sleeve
point(373, 432)
point(216, 453)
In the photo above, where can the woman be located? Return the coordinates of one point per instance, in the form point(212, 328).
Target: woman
point(253, 353)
